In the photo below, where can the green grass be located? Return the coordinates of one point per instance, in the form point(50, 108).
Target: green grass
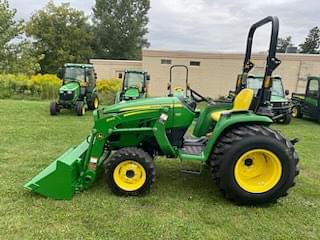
point(179, 206)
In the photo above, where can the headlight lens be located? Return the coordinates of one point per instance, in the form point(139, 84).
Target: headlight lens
point(69, 92)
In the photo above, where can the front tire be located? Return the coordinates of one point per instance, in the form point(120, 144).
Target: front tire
point(54, 109)
point(130, 172)
point(94, 103)
point(254, 165)
point(296, 112)
point(80, 108)
point(286, 119)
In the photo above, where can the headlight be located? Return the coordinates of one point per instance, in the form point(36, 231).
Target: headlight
point(69, 92)
point(61, 91)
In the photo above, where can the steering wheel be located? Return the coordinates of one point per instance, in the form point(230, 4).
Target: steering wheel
point(197, 97)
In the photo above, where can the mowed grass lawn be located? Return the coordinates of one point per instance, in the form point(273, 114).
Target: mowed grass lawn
point(179, 206)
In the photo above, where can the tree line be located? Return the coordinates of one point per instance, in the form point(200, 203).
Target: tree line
point(58, 34)
point(311, 44)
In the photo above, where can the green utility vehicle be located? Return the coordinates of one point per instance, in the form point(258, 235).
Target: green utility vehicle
point(78, 90)
point(308, 104)
point(134, 85)
point(280, 104)
point(250, 162)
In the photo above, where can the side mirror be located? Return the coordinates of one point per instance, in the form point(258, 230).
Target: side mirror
point(286, 92)
point(148, 77)
point(60, 73)
point(120, 75)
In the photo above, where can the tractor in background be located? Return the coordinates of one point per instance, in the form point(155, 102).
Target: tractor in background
point(307, 104)
point(250, 162)
point(279, 103)
point(78, 90)
point(134, 85)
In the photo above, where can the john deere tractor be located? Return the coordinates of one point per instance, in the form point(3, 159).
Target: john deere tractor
point(78, 90)
point(134, 85)
point(250, 162)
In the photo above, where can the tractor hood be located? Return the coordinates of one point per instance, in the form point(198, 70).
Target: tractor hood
point(140, 105)
point(70, 86)
point(132, 93)
point(278, 99)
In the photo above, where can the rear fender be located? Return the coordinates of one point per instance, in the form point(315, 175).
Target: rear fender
point(230, 120)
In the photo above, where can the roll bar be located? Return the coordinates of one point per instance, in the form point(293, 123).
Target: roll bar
point(187, 78)
point(264, 94)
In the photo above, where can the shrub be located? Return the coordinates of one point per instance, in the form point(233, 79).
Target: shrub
point(22, 86)
point(107, 90)
point(47, 87)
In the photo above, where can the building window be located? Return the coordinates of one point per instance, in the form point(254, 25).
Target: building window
point(166, 61)
point(194, 63)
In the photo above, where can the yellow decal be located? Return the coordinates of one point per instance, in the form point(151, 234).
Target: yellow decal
point(110, 119)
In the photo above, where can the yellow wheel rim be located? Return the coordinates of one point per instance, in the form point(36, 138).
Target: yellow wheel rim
point(258, 171)
point(96, 103)
point(294, 112)
point(129, 175)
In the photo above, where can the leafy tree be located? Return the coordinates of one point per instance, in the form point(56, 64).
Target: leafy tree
point(9, 30)
point(62, 34)
point(120, 28)
point(24, 59)
point(283, 43)
point(312, 42)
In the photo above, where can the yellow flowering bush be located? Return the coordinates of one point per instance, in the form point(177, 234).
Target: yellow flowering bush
point(37, 86)
point(47, 87)
point(107, 90)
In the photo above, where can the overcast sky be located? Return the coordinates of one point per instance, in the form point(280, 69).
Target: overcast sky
point(210, 25)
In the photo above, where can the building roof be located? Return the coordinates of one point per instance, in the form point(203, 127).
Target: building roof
point(78, 65)
point(221, 55)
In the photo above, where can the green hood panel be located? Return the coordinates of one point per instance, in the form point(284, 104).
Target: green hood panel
point(70, 86)
point(140, 104)
point(278, 99)
point(132, 93)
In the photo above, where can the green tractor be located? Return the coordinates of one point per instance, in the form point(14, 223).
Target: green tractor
point(280, 104)
point(134, 85)
point(78, 90)
point(308, 104)
point(250, 162)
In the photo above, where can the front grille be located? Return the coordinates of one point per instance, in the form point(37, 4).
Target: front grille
point(277, 104)
point(65, 96)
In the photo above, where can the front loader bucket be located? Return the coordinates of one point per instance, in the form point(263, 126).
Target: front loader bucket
point(60, 179)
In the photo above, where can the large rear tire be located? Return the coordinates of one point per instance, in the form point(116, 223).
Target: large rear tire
point(254, 164)
point(130, 172)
